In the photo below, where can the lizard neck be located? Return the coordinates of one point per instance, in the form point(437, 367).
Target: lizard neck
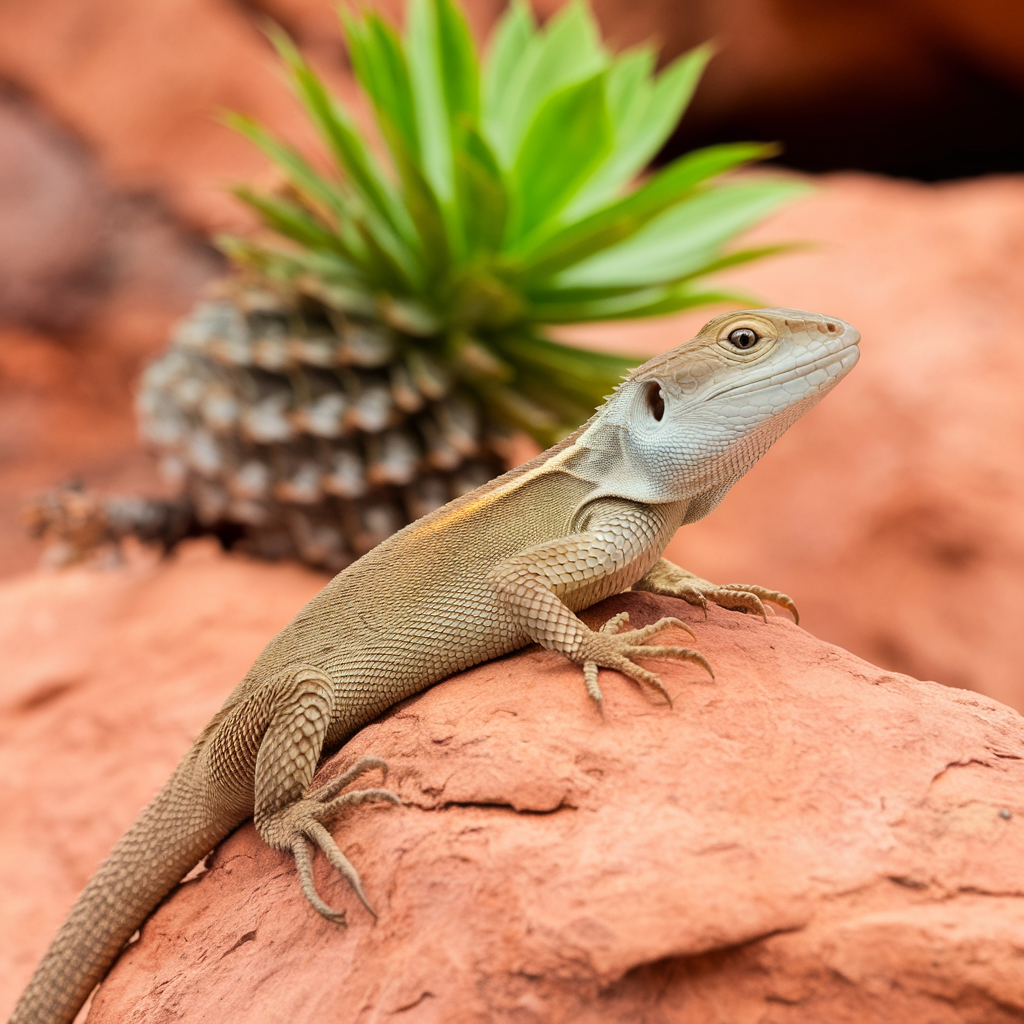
point(696, 469)
point(609, 458)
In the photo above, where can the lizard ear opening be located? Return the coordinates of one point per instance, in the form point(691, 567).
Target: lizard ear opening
point(655, 399)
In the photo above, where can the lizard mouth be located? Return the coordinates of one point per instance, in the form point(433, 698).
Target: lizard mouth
point(836, 364)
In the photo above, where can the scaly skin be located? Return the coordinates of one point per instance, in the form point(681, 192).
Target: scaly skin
point(507, 565)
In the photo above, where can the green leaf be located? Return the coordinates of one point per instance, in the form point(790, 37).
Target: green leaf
point(644, 118)
point(509, 44)
point(459, 67)
point(569, 136)
point(347, 147)
point(629, 90)
point(482, 196)
point(427, 216)
point(645, 302)
point(445, 79)
point(340, 295)
point(292, 221)
point(432, 121)
point(741, 256)
point(474, 361)
point(555, 294)
point(301, 173)
point(562, 296)
point(379, 63)
point(385, 271)
point(673, 90)
point(571, 407)
point(563, 379)
point(480, 300)
point(611, 225)
point(567, 51)
point(307, 272)
point(409, 316)
point(276, 265)
point(684, 237)
point(515, 408)
point(581, 368)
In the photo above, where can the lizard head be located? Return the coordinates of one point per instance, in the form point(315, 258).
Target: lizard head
point(700, 415)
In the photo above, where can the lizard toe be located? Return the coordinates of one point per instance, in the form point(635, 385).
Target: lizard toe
point(298, 828)
point(590, 680)
point(682, 653)
point(319, 835)
point(637, 636)
point(304, 865)
point(606, 649)
point(630, 668)
point(766, 595)
point(614, 623)
point(350, 774)
point(355, 797)
point(690, 594)
point(301, 825)
point(737, 601)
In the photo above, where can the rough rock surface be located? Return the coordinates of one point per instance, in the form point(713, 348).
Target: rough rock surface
point(806, 838)
point(107, 678)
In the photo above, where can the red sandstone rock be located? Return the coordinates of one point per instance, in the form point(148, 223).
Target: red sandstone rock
point(51, 224)
point(107, 677)
point(807, 838)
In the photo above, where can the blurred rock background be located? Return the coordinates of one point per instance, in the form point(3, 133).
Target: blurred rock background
point(892, 513)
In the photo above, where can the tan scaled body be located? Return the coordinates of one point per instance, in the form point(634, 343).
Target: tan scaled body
point(502, 567)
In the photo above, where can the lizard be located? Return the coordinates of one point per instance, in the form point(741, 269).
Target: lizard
point(504, 566)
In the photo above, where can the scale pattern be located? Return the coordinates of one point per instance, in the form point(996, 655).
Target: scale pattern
point(503, 566)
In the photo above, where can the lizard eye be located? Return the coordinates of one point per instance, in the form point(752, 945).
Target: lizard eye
point(655, 399)
point(744, 338)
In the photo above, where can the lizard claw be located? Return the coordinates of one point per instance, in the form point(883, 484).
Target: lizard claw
point(764, 594)
point(739, 597)
point(301, 825)
point(606, 648)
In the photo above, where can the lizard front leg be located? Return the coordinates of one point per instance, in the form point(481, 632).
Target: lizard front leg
point(288, 815)
point(668, 579)
point(618, 538)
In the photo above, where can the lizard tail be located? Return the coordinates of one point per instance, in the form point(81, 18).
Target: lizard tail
point(161, 847)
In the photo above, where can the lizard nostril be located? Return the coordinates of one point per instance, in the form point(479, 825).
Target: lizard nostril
point(831, 328)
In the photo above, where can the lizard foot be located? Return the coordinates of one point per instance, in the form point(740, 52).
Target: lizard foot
point(303, 823)
point(607, 648)
point(740, 597)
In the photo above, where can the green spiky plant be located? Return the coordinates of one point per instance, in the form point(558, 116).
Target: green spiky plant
point(390, 327)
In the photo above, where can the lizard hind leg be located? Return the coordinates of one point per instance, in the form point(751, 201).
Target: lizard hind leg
point(288, 814)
